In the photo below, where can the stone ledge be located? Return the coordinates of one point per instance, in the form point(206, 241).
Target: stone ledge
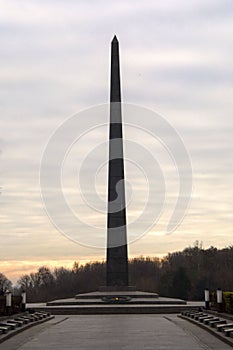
point(18, 330)
point(119, 292)
point(117, 289)
point(212, 331)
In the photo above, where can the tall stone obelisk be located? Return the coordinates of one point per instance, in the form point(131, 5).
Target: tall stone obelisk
point(117, 255)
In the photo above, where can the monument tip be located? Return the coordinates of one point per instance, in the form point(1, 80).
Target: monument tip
point(115, 40)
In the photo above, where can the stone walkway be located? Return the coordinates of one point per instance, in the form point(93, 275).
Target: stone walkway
point(115, 332)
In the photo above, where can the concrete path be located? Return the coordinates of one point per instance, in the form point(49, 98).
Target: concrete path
point(115, 332)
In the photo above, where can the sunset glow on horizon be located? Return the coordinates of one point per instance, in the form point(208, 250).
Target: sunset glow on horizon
point(175, 60)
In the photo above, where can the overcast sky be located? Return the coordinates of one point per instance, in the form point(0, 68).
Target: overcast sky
point(176, 59)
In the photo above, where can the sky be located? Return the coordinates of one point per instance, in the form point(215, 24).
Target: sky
point(176, 60)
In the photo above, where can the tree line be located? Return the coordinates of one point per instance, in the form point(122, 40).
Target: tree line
point(184, 274)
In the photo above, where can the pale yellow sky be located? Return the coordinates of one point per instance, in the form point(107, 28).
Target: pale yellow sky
point(175, 59)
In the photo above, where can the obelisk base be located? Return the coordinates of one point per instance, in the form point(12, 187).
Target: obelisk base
point(117, 289)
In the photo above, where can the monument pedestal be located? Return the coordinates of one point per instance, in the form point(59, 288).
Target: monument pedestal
point(115, 302)
point(104, 295)
point(116, 288)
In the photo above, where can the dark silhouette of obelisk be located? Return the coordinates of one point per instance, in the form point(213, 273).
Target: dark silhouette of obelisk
point(117, 255)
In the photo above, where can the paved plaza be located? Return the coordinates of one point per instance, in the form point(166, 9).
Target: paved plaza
point(115, 332)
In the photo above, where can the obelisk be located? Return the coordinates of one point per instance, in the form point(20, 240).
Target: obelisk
point(117, 252)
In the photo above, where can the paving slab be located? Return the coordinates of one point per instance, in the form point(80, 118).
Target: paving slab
point(116, 332)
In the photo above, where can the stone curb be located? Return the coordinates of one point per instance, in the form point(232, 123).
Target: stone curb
point(110, 309)
point(11, 333)
point(208, 329)
point(220, 314)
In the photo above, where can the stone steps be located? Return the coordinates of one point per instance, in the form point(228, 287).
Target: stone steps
point(112, 309)
point(106, 293)
point(17, 323)
point(132, 301)
point(214, 323)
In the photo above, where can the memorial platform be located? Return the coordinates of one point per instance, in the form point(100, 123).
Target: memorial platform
point(94, 303)
point(110, 309)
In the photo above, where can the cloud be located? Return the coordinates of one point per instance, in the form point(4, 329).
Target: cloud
point(175, 58)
